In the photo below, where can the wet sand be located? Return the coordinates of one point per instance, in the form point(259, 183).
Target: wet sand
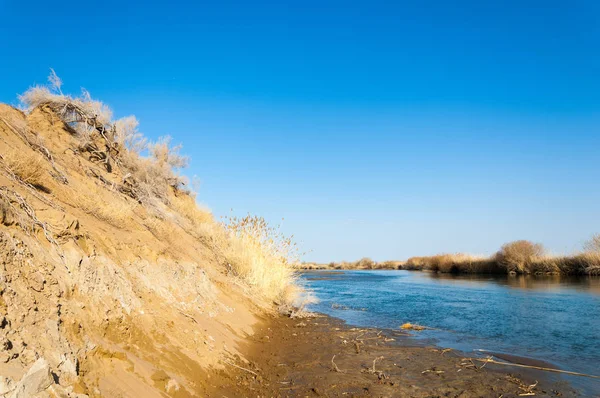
point(323, 357)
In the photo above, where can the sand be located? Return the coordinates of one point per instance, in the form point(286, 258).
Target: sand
point(295, 358)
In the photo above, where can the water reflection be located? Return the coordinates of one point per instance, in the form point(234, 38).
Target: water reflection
point(537, 282)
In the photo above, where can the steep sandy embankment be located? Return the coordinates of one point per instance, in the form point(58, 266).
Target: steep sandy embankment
point(98, 295)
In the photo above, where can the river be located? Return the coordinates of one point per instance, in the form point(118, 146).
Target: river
point(555, 320)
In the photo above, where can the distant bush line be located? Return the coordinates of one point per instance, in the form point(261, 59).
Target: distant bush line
point(518, 257)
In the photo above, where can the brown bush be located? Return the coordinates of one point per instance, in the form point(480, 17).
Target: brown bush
point(593, 245)
point(519, 256)
point(365, 263)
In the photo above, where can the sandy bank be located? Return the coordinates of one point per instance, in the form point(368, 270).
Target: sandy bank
point(295, 358)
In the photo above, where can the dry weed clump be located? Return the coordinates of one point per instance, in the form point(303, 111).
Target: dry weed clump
point(29, 168)
point(262, 257)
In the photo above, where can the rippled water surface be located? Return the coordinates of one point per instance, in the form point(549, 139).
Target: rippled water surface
point(556, 320)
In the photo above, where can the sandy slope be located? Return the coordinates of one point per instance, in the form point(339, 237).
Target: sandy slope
point(110, 301)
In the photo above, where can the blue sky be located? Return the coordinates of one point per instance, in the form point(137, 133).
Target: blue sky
point(381, 129)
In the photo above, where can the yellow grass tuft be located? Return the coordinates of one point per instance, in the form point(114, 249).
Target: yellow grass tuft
point(28, 167)
point(186, 205)
point(263, 258)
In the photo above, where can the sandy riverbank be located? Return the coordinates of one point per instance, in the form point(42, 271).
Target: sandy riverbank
point(295, 358)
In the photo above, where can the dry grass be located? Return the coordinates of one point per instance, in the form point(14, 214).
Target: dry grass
point(586, 263)
point(263, 258)
point(95, 201)
point(186, 205)
point(163, 230)
point(364, 263)
point(518, 257)
point(453, 263)
point(28, 167)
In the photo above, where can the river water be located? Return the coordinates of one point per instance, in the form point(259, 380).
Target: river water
point(551, 319)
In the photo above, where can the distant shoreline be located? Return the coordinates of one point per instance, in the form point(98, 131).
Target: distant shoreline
point(518, 257)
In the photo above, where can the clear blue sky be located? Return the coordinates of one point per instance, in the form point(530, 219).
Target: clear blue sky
point(381, 129)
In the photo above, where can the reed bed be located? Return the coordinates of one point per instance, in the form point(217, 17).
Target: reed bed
point(518, 257)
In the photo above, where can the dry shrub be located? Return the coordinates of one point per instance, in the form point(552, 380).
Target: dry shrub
point(91, 122)
point(263, 258)
point(364, 263)
point(153, 179)
point(415, 264)
point(518, 256)
point(28, 167)
point(167, 155)
point(591, 256)
point(442, 263)
point(128, 135)
point(593, 244)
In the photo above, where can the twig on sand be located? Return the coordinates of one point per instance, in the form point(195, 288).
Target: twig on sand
point(334, 367)
point(445, 350)
point(239, 367)
point(188, 316)
point(432, 370)
point(380, 374)
point(374, 362)
point(488, 360)
point(528, 390)
point(468, 363)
